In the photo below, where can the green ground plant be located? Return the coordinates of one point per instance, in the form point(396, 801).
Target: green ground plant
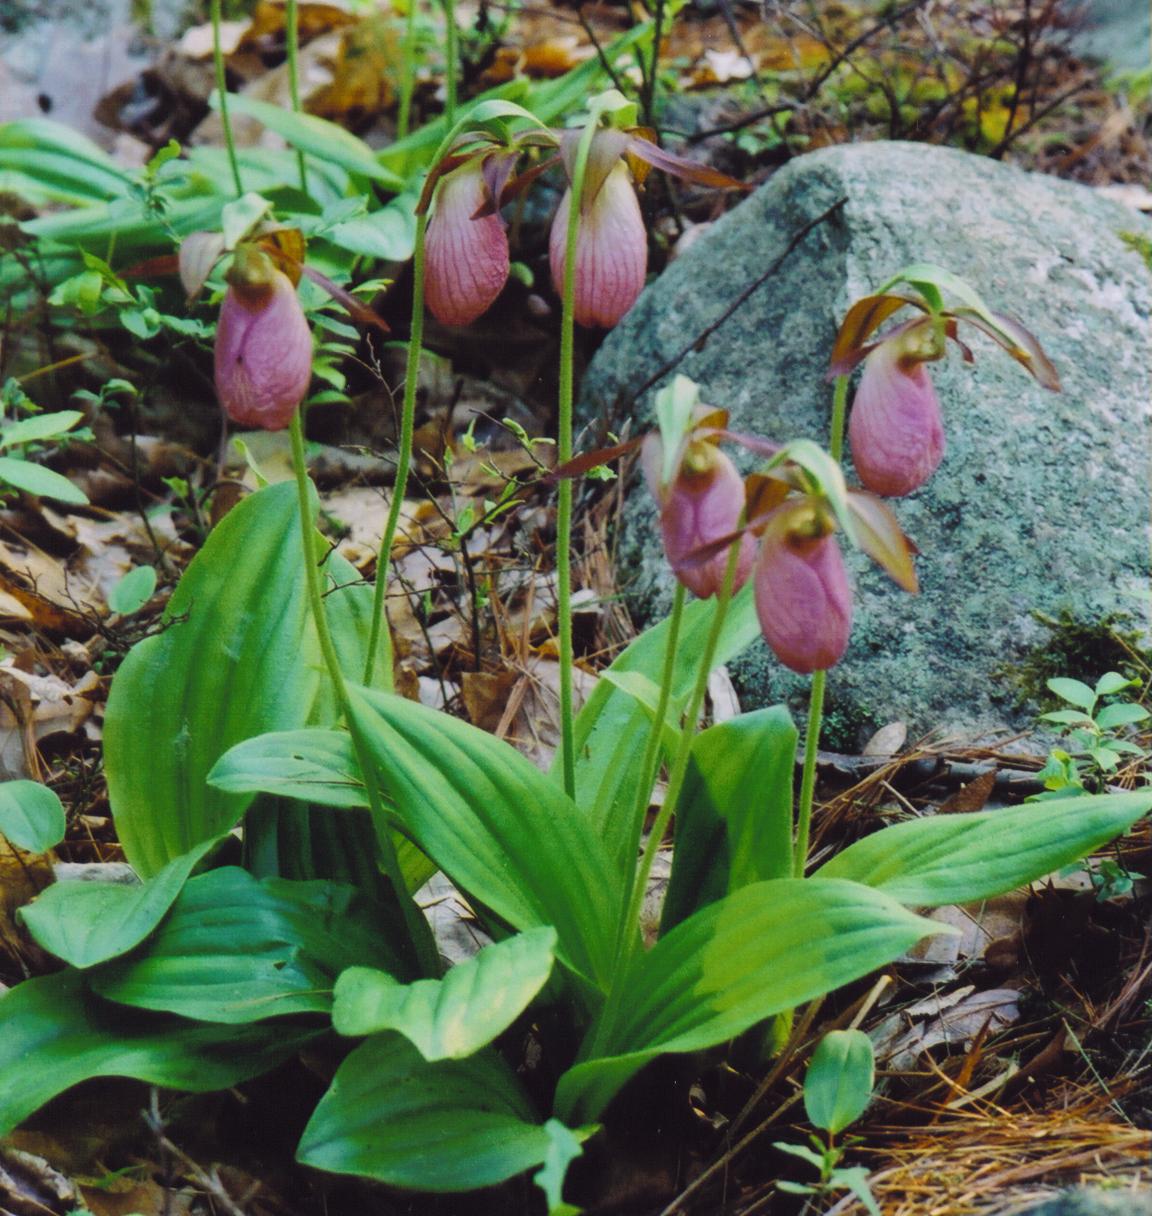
point(263, 712)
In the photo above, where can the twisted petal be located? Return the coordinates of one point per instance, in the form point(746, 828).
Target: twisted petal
point(465, 253)
point(701, 507)
point(803, 599)
point(263, 354)
point(895, 430)
point(611, 251)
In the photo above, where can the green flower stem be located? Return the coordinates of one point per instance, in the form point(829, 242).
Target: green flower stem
point(648, 766)
point(452, 55)
point(381, 637)
point(629, 937)
point(836, 427)
point(819, 678)
point(407, 73)
point(684, 750)
point(425, 954)
point(563, 455)
point(292, 37)
point(808, 780)
point(222, 95)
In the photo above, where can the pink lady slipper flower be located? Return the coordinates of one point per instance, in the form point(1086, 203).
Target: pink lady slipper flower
point(803, 598)
point(611, 243)
point(263, 344)
point(466, 259)
point(895, 430)
point(701, 505)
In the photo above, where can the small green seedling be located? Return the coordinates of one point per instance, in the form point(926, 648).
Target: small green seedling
point(837, 1089)
point(1095, 742)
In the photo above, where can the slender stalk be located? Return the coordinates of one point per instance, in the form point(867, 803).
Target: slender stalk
point(407, 73)
point(420, 940)
point(563, 455)
point(380, 637)
point(292, 38)
point(816, 694)
point(648, 101)
point(836, 427)
point(648, 766)
point(452, 55)
point(629, 936)
point(222, 95)
point(687, 735)
point(808, 780)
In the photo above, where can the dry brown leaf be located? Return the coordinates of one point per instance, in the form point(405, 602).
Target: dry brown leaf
point(971, 796)
point(368, 63)
point(888, 740)
point(29, 1186)
point(40, 585)
point(953, 1019)
point(991, 924)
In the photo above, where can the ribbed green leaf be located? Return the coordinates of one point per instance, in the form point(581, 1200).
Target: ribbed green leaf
point(236, 949)
point(611, 727)
point(238, 658)
point(497, 826)
point(453, 1017)
point(31, 816)
point(35, 479)
point(760, 951)
point(85, 923)
point(734, 814)
point(454, 1125)
point(50, 162)
point(316, 136)
point(57, 1034)
point(315, 765)
point(954, 859)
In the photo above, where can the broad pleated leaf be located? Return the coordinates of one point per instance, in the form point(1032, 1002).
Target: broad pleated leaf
point(236, 949)
point(734, 814)
point(954, 859)
point(612, 726)
point(453, 1017)
point(85, 923)
point(31, 816)
point(497, 826)
point(316, 136)
point(760, 951)
point(48, 161)
point(316, 765)
point(57, 1034)
point(238, 658)
point(453, 1125)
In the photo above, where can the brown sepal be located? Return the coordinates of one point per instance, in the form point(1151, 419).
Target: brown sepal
point(862, 320)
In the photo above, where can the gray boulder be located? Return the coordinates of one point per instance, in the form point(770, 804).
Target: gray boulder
point(1089, 1201)
point(1116, 32)
point(1042, 501)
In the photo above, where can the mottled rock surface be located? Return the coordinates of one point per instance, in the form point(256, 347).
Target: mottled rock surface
point(1088, 1201)
point(1042, 500)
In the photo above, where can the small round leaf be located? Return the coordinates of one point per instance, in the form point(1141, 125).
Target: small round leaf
point(838, 1085)
point(31, 816)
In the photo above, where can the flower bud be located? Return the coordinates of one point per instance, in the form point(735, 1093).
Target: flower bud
point(465, 254)
point(701, 506)
point(263, 344)
point(803, 599)
point(895, 429)
point(611, 251)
